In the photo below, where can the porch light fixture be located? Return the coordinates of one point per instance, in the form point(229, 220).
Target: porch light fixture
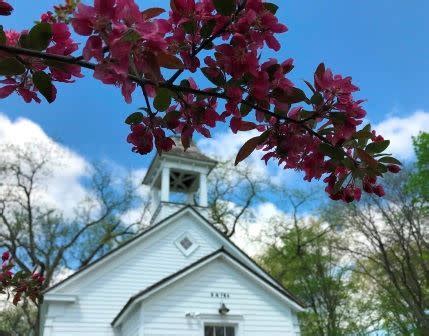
point(223, 310)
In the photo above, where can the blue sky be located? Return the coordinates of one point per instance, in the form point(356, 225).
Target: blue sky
point(382, 44)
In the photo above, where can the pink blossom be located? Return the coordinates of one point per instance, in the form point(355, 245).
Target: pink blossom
point(5, 256)
point(93, 48)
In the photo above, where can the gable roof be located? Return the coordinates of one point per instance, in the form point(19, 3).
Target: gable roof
point(144, 294)
point(114, 251)
point(159, 225)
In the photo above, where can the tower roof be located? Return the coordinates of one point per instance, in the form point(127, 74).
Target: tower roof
point(191, 153)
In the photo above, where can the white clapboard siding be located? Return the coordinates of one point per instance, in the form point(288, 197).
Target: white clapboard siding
point(103, 292)
point(131, 327)
point(262, 312)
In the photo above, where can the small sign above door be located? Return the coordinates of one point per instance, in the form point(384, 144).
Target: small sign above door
point(219, 295)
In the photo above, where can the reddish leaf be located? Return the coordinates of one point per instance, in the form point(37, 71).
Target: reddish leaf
point(320, 70)
point(186, 136)
point(249, 147)
point(153, 72)
point(214, 75)
point(152, 12)
point(169, 61)
point(365, 157)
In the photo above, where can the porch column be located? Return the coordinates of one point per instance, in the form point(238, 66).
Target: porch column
point(165, 184)
point(203, 190)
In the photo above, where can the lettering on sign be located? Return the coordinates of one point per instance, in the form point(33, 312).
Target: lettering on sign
point(220, 295)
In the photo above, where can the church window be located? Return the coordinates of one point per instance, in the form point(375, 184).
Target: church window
point(219, 330)
point(186, 244)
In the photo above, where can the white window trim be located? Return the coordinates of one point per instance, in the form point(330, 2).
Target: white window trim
point(237, 321)
point(191, 249)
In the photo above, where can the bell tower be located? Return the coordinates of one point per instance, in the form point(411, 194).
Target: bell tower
point(178, 178)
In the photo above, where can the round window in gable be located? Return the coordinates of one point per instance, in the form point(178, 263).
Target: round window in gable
point(186, 244)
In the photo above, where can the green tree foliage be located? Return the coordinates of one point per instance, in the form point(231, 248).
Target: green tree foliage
point(419, 181)
point(388, 241)
point(305, 259)
point(362, 267)
point(17, 321)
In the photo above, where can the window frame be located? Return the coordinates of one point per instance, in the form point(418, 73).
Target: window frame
point(237, 321)
point(220, 324)
point(191, 249)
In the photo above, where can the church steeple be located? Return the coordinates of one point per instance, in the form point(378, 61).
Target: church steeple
point(177, 178)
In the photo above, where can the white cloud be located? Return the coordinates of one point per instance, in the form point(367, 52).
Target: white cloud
point(253, 236)
point(399, 131)
point(225, 146)
point(62, 188)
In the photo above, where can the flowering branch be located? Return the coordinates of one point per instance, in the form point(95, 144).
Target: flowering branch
point(19, 284)
point(144, 81)
point(319, 134)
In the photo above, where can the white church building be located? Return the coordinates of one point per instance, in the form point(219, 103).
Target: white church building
point(180, 277)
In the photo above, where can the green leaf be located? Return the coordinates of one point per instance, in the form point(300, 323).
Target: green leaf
point(23, 41)
point(224, 7)
point(249, 147)
point(362, 141)
point(185, 83)
point(381, 168)
point(327, 130)
point(207, 29)
point(208, 45)
point(11, 67)
point(43, 83)
point(218, 81)
point(362, 134)
point(339, 184)
point(131, 36)
point(310, 86)
point(390, 159)
point(271, 70)
point(134, 118)
point(189, 27)
point(2, 36)
point(338, 117)
point(246, 108)
point(316, 99)
point(291, 96)
point(377, 147)
point(349, 163)
point(172, 116)
point(162, 100)
point(333, 152)
point(56, 64)
point(39, 36)
point(273, 8)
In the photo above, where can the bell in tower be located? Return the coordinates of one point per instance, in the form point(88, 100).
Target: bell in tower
point(177, 178)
